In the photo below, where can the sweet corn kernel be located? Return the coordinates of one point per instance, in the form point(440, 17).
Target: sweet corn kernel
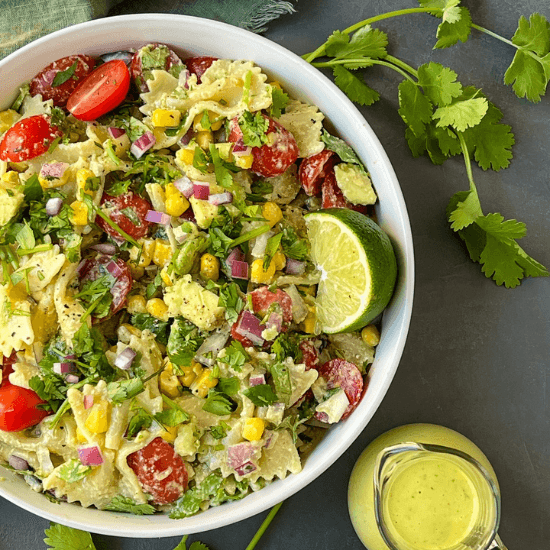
point(10, 178)
point(204, 139)
point(7, 119)
point(272, 213)
point(82, 176)
point(98, 418)
point(176, 204)
point(212, 117)
point(166, 277)
point(253, 429)
point(309, 321)
point(186, 155)
point(190, 373)
point(210, 267)
point(258, 275)
point(166, 118)
point(279, 259)
point(80, 213)
point(163, 253)
point(169, 433)
point(244, 161)
point(157, 308)
point(143, 256)
point(371, 335)
point(203, 383)
point(168, 382)
point(80, 437)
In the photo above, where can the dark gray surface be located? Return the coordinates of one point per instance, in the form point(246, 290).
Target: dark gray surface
point(477, 355)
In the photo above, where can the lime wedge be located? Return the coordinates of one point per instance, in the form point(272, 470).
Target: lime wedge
point(358, 268)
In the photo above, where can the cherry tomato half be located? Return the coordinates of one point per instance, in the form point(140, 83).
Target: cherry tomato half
point(128, 211)
point(101, 91)
point(43, 82)
point(313, 170)
point(28, 138)
point(18, 408)
point(198, 65)
point(262, 298)
point(96, 267)
point(160, 470)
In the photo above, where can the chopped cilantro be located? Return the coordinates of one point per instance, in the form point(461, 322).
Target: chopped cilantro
point(121, 503)
point(254, 128)
point(261, 395)
point(62, 76)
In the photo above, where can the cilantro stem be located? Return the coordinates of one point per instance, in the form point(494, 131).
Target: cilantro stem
point(39, 248)
point(405, 66)
point(467, 161)
point(264, 526)
point(114, 225)
point(494, 35)
point(249, 235)
point(371, 62)
point(320, 51)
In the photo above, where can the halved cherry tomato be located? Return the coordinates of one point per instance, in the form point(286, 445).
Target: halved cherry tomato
point(150, 57)
point(262, 298)
point(118, 209)
point(19, 408)
point(28, 138)
point(334, 198)
point(198, 65)
point(7, 369)
point(239, 337)
point(313, 170)
point(96, 267)
point(270, 159)
point(42, 83)
point(160, 470)
point(310, 354)
point(101, 91)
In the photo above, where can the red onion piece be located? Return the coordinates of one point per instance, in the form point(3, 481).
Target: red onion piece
point(53, 206)
point(158, 217)
point(125, 358)
point(72, 378)
point(90, 456)
point(105, 248)
point(115, 132)
point(275, 321)
point(239, 270)
point(235, 255)
point(185, 186)
point(295, 267)
point(142, 144)
point(246, 468)
point(18, 463)
point(220, 198)
point(183, 78)
point(53, 170)
point(88, 401)
point(187, 137)
point(63, 368)
point(256, 379)
point(249, 326)
point(239, 454)
point(240, 148)
point(114, 269)
point(201, 191)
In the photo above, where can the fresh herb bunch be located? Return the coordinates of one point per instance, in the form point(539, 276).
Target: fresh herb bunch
point(444, 118)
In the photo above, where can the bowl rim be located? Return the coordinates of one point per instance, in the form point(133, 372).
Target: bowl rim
point(254, 503)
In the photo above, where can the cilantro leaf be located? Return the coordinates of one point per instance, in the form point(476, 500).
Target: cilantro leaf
point(354, 87)
point(33, 190)
point(144, 321)
point(141, 420)
point(415, 108)
point(450, 12)
point(218, 403)
point(230, 299)
point(293, 246)
point(230, 386)
point(261, 395)
point(340, 147)
point(222, 168)
point(439, 83)
point(462, 114)
point(254, 128)
point(449, 33)
point(120, 503)
point(62, 76)
point(364, 43)
point(121, 390)
point(73, 471)
point(235, 356)
point(281, 379)
point(529, 71)
point(183, 343)
point(60, 537)
point(271, 249)
point(466, 209)
point(279, 101)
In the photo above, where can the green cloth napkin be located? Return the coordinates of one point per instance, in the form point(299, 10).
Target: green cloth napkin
point(23, 22)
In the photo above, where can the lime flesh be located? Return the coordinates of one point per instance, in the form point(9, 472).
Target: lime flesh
point(358, 268)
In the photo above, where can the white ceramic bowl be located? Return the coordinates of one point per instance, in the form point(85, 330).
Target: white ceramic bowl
point(193, 36)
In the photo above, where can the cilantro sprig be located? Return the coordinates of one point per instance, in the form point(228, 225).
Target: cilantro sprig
point(444, 118)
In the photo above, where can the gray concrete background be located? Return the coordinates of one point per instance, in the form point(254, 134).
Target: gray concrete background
point(477, 355)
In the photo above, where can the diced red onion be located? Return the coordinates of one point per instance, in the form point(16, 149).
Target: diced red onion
point(187, 137)
point(295, 267)
point(53, 206)
point(88, 401)
point(246, 468)
point(220, 198)
point(105, 248)
point(63, 368)
point(115, 132)
point(125, 358)
point(239, 454)
point(114, 269)
point(72, 378)
point(90, 456)
point(183, 78)
point(239, 270)
point(53, 170)
point(235, 255)
point(158, 217)
point(142, 144)
point(268, 438)
point(249, 326)
point(240, 148)
point(18, 463)
point(256, 379)
point(201, 191)
point(185, 186)
point(275, 320)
